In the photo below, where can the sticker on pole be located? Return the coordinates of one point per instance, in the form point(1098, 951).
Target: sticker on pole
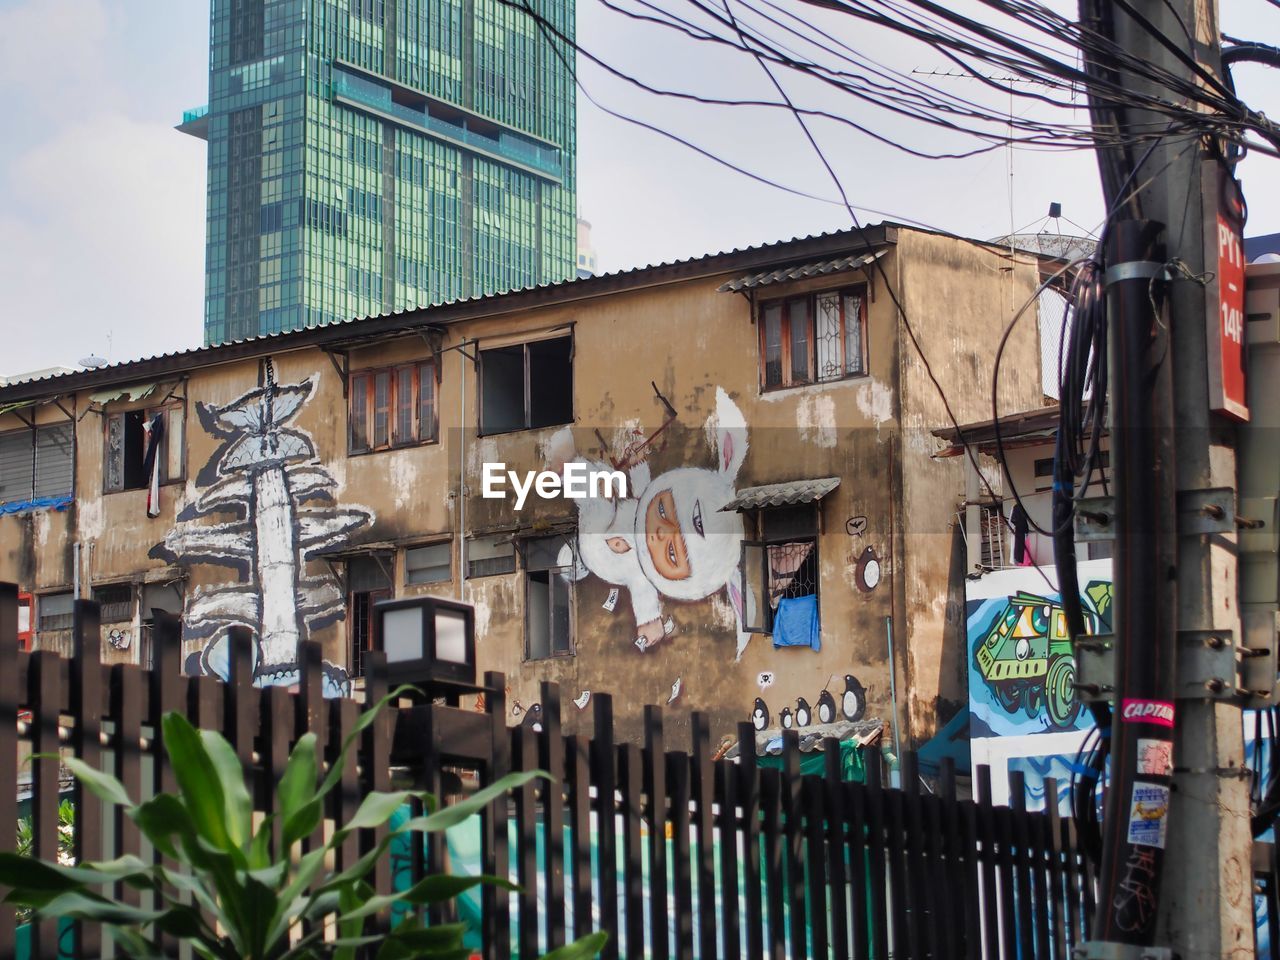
point(1155, 758)
point(1158, 713)
point(1148, 814)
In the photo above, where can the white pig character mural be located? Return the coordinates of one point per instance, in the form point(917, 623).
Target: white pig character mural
point(277, 501)
point(670, 537)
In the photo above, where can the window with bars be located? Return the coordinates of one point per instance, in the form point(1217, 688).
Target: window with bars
point(392, 407)
point(782, 564)
point(367, 583)
point(54, 611)
point(814, 338)
point(115, 602)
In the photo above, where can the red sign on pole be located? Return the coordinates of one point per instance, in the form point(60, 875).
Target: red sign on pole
point(1227, 361)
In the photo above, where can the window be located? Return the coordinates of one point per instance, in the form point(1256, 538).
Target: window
point(128, 440)
point(813, 339)
point(489, 556)
point(527, 385)
point(367, 583)
point(24, 621)
point(392, 407)
point(428, 564)
point(780, 568)
point(54, 611)
point(36, 464)
point(548, 597)
point(116, 602)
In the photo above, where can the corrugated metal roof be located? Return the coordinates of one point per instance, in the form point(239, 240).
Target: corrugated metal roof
point(412, 320)
point(817, 269)
point(782, 494)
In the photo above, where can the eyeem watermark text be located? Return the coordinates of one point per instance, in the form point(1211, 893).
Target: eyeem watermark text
point(576, 483)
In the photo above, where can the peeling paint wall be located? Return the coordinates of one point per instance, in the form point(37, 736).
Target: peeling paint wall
point(884, 550)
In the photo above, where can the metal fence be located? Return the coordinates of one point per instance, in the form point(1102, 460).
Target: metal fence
point(675, 853)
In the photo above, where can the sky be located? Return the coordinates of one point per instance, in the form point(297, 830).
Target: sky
point(102, 202)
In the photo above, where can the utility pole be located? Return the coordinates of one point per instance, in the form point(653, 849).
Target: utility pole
point(1205, 894)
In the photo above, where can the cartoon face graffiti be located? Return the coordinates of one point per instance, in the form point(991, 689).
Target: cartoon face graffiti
point(673, 539)
point(265, 477)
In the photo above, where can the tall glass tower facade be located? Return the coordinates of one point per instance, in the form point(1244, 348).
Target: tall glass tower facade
point(367, 156)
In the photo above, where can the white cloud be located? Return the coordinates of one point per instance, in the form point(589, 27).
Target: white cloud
point(53, 52)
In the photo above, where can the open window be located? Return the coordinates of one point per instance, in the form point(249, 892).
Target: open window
point(132, 435)
point(392, 407)
point(813, 338)
point(781, 570)
point(37, 465)
point(526, 385)
point(25, 604)
point(548, 561)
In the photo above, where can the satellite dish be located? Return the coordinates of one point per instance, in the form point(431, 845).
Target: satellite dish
point(93, 362)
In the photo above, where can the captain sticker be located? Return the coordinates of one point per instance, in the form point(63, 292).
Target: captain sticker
point(1158, 713)
point(1148, 814)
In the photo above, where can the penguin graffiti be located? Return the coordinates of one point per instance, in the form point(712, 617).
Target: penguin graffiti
point(826, 707)
point(853, 704)
point(866, 570)
point(784, 718)
point(533, 718)
point(760, 715)
point(804, 716)
point(670, 538)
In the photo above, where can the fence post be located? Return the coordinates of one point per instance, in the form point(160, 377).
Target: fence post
point(603, 774)
point(496, 905)
point(552, 760)
point(9, 698)
point(376, 757)
point(833, 786)
point(655, 783)
point(748, 790)
point(793, 812)
point(44, 693)
point(703, 798)
point(86, 705)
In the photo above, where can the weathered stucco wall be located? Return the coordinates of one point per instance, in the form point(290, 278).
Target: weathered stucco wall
point(958, 297)
point(269, 487)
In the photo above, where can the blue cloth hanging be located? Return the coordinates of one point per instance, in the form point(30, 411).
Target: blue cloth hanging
point(795, 624)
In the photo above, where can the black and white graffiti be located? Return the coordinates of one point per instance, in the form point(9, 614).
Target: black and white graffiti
point(274, 510)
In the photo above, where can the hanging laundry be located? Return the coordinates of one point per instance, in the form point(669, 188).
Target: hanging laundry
point(795, 624)
point(1021, 525)
point(152, 435)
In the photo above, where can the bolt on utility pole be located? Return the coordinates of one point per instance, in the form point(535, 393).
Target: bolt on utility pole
point(1205, 895)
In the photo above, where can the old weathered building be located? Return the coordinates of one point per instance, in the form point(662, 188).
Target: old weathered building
point(786, 536)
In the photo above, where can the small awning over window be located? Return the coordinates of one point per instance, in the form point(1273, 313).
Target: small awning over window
point(781, 494)
point(800, 272)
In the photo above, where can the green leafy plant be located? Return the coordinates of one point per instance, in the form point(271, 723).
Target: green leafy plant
point(238, 893)
point(66, 843)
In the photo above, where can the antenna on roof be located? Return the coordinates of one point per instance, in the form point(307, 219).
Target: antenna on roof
point(93, 362)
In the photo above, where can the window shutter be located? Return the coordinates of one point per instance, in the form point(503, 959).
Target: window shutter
point(15, 467)
point(114, 454)
point(54, 460)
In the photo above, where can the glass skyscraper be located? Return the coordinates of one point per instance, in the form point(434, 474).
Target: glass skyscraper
point(367, 156)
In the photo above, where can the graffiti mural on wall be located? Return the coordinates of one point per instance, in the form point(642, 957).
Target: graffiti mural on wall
point(852, 706)
point(670, 539)
point(1022, 654)
point(1024, 713)
point(275, 511)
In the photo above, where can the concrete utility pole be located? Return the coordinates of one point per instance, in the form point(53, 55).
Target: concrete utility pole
point(1206, 905)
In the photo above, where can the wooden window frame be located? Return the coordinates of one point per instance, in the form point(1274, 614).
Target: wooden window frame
point(570, 587)
point(762, 542)
point(164, 453)
point(362, 404)
point(811, 303)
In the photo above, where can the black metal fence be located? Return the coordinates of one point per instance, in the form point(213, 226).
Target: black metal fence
point(675, 853)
